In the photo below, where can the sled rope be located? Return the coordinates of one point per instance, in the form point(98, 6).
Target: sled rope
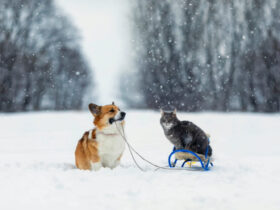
point(121, 132)
point(129, 147)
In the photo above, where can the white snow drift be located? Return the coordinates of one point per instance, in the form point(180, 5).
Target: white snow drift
point(37, 168)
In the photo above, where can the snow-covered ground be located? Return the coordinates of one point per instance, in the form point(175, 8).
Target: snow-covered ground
point(37, 165)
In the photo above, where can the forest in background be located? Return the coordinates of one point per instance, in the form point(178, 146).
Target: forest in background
point(192, 55)
point(198, 55)
point(41, 63)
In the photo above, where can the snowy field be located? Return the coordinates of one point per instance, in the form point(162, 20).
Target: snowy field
point(37, 165)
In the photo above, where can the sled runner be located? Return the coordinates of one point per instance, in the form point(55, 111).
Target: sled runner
point(189, 157)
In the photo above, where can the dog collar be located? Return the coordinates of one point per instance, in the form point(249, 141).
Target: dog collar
point(107, 134)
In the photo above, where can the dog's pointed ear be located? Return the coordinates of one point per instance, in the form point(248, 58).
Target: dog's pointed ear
point(94, 109)
point(174, 112)
point(161, 112)
point(113, 103)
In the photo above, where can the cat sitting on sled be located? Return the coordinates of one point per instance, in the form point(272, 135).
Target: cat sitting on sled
point(185, 135)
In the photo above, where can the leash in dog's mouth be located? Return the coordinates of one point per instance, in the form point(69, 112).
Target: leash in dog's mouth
point(112, 120)
point(131, 150)
point(122, 116)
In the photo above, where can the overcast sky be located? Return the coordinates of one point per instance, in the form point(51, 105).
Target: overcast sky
point(104, 27)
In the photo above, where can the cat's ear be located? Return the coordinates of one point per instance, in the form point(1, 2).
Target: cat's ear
point(161, 112)
point(174, 112)
point(94, 109)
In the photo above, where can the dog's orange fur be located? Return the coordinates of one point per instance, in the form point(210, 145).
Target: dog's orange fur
point(86, 151)
point(87, 148)
point(100, 120)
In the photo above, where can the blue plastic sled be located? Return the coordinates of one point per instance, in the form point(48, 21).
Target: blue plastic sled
point(204, 164)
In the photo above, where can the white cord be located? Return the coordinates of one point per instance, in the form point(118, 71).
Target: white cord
point(132, 149)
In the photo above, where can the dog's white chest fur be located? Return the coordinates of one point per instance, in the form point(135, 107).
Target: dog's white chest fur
point(110, 146)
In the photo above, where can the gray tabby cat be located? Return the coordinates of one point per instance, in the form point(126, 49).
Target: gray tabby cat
point(184, 134)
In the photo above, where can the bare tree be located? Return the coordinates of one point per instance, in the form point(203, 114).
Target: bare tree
point(40, 60)
point(208, 55)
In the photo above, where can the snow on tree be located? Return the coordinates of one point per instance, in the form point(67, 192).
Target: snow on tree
point(207, 55)
point(41, 64)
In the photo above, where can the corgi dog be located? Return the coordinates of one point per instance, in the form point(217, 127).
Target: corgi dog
point(104, 145)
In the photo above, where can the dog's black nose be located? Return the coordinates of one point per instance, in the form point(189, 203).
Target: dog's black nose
point(123, 114)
